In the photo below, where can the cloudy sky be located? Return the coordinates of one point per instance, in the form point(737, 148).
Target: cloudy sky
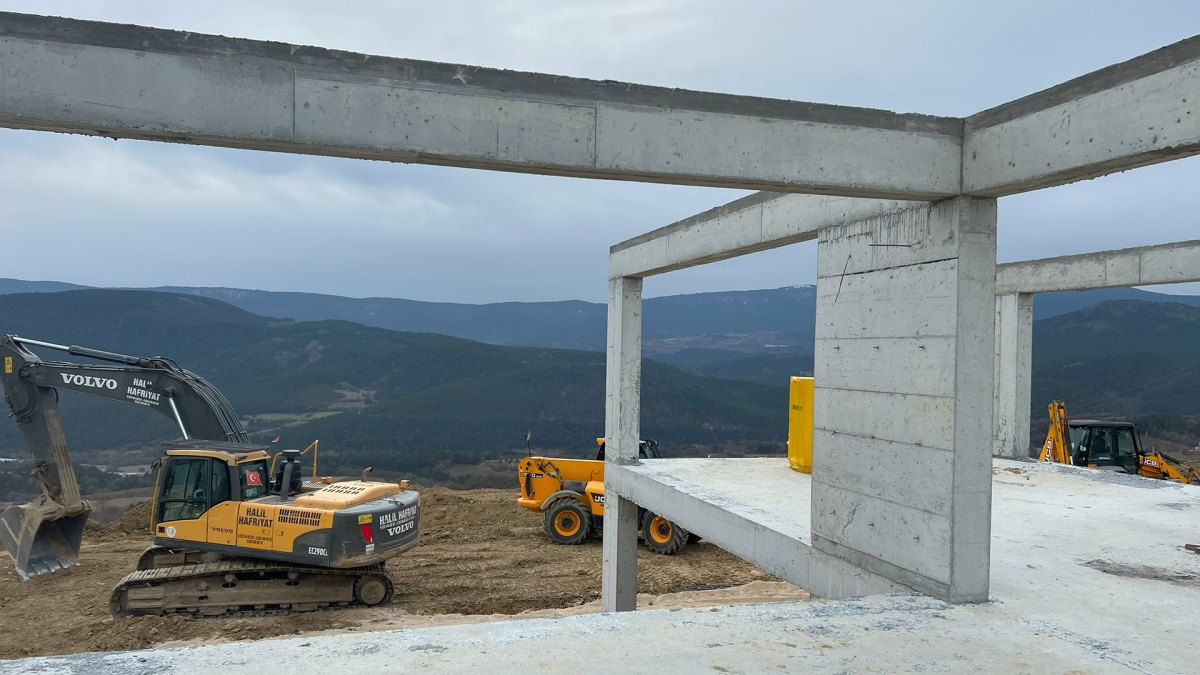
point(83, 209)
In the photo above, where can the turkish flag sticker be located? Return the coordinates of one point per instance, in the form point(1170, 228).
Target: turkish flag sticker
point(253, 478)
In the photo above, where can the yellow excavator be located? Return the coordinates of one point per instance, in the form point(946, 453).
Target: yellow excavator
point(1109, 446)
point(570, 495)
point(236, 531)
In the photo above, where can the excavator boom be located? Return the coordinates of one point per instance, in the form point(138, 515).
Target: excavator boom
point(44, 535)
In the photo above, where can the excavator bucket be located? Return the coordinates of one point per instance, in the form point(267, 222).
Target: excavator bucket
point(41, 542)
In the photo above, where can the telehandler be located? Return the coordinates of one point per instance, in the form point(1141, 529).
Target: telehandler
point(236, 531)
point(570, 495)
point(1109, 446)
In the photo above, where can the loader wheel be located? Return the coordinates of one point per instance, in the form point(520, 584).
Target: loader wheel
point(567, 522)
point(661, 535)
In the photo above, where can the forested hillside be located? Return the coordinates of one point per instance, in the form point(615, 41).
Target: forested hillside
point(397, 400)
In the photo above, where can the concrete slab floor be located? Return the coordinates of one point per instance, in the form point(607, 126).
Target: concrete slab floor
point(1089, 574)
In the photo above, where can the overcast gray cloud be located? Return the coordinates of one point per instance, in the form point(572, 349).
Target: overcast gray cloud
point(96, 211)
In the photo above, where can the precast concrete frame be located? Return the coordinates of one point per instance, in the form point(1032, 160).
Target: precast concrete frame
point(905, 291)
point(1016, 284)
point(865, 361)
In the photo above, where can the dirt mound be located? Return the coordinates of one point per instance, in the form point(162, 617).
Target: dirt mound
point(135, 524)
point(480, 556)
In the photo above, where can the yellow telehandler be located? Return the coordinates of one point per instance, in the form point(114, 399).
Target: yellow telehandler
point(570, 495)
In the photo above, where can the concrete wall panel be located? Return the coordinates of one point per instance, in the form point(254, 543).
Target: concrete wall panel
point(870, 364)
point(909, 237)
point(886, 470)
point(915, 510)
point(912, 539)
point(904, 418)
point(916, 301)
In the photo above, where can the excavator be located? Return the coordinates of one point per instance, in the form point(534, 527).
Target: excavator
point(570, 495)
point(1108, 446)
point(237, 531)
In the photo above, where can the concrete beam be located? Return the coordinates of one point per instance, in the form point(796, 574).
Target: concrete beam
point(755, 223)
point(1143, 111)
point(1141, 266)
point(128, 81)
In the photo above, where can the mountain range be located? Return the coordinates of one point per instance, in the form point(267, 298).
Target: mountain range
point(752, 335)
point(1120, 352)
point(403, 401)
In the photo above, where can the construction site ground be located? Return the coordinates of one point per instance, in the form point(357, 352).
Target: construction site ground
point(1091, 572)
point(480, 558)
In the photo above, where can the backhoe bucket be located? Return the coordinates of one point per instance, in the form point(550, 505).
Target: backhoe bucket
point(41, 542)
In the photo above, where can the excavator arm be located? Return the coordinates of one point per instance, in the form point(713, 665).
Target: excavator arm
point(1056, 447)
point(1162, 465)
point(44, 535)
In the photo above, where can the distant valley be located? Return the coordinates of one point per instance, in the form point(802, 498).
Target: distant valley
point(420, 387)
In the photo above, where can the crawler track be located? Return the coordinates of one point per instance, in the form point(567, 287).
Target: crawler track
point(243, 587)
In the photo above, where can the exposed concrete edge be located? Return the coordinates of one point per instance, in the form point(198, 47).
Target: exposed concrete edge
point(782, 555)
point(1173, 263)
point(1165, 58)
point(459, 76)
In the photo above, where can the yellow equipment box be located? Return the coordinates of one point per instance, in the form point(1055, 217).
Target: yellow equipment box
point(800, 424)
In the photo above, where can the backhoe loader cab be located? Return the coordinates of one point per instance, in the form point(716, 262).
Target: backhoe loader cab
point(1108, 446)
point(1113, 446)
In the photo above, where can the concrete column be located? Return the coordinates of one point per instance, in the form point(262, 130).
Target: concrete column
point(1014, 368)
point(903, 407)
point(622, 430)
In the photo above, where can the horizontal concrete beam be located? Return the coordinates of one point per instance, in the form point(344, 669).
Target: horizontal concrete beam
point(1142, 111)
point(1141, 266)
point(129, 81)
point(755, 223)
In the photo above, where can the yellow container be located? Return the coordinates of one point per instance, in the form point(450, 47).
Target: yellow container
point(800, 424)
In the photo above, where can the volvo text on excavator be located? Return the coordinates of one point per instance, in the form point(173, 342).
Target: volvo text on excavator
point(236, 531)
point(1109, 446)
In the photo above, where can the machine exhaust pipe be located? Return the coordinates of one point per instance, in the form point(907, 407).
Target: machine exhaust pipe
point(43, 536)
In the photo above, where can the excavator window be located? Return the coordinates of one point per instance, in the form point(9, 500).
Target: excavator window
point(220, 483)
point(254, 479)
point(185, 488)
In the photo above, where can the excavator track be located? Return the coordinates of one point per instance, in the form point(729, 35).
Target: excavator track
point(236, 587)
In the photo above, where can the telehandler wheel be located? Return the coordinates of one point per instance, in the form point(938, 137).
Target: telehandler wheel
point(661, 535)
point(567, 521)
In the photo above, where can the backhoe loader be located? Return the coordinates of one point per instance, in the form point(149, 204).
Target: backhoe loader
point(570, 495)
point(236, 532)
point(1109, 446)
